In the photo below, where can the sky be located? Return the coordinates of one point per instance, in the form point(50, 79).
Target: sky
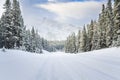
point(56, 19)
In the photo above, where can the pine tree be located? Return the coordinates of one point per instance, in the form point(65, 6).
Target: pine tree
point(95, 37)
point(70, 46)
point(24, 38)
point(90, 36)
point(11, 25)
point(38, 43)
point(18, 23)
point(27, 40)
point(116, 2)
point(2, 31)
point(73, 43)
point(78, 41)
point(109, 24)
point(32, 40)
point(6, 25)
point(83, 40)
point(102, 29)
point(67, 43)
point(116, 38)
point(1, 37)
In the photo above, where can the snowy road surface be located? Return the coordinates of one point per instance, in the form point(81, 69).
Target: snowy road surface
point(96, 65)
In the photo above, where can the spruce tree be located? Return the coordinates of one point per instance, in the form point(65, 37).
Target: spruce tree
point(1, 39)
point(95, 36)
point(83, 40)
point(27, 43)
point(38, 43)
point(116, 38)
point(32, 37)
point(73, 43)
point(78, 49)
point(6, 25)
point(102, 29)
point(67, 43)
point(89, 36)
point(18, 23)
point(70, 46)
point(109, 24)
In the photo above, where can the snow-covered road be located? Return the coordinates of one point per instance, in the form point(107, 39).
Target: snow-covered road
point(96, 65)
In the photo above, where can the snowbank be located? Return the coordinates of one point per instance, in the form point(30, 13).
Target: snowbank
point(96, 65)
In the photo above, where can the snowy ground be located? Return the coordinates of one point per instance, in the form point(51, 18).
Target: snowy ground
point(96, 65)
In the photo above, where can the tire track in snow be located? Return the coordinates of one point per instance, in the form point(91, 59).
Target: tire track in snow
point(72, 67)
point(97, 68)
point(43, 62)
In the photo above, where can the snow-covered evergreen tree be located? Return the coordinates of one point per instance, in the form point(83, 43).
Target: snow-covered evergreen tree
point(38, 43)
point(6, 25)
point(73, 43)
point(33, 36)
point(116, 38)
point(102, 29)
point(109, 24)
point(83, 39)
point(67, 43)
point(78, 41)
point(28, 40)
point(11, 25)
point(1, 39)
point(70, 46)
point(95, 37)
point(17, 23)
point(89, 36)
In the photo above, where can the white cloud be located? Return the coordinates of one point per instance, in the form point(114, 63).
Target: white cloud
point(73, 10)
point(53, 30)
point(51, 0)
point(72, 13)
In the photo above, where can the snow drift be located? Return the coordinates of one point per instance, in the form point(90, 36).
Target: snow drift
point(96, 65)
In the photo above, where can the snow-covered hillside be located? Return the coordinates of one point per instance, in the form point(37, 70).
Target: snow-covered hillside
point(96, 65)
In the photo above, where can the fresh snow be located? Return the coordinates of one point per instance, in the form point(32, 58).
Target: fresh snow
point(96, 65)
